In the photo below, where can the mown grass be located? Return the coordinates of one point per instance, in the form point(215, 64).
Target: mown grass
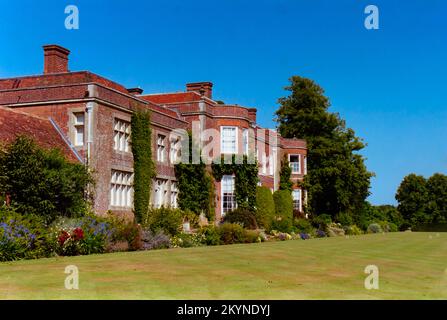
point(411, 266)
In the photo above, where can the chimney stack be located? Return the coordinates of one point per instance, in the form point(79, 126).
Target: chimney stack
point(252, 114)
point(55, 59)
point(203, 88)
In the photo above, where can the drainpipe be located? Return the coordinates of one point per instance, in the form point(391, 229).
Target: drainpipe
point(90, 106)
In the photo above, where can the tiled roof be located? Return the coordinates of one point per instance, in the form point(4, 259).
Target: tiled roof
point(41, 130)
point(172, 97)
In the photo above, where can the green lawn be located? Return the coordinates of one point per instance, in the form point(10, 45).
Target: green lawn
point(412, 266)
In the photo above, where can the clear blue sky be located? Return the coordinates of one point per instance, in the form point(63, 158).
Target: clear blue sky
point(389, 84)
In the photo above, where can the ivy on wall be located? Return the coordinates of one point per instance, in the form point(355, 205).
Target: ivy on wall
point(144, 168)
point(246, 178)
point(195, 185)
point(284, 176)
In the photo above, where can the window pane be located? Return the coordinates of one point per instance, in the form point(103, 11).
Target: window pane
point(79, 138)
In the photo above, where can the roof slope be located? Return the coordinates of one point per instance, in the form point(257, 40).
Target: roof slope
point(41, 130)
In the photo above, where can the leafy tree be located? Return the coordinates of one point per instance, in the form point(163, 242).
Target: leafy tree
point(378, 214)
point(196, 191)
point(265, 207)
point(338, 180)
point(284, 176)
point(437, 198)
point(144, 168)
point(412, 197)
point(42, 182)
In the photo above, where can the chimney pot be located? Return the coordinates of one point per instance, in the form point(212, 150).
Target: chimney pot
point(55, 59)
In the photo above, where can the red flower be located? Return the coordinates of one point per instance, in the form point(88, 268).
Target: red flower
point(77, 234)
point(64, 235)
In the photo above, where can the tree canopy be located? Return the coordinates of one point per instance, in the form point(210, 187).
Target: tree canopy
point(338, 180)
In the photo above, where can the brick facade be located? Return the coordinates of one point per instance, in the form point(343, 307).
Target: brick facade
point(87, 107)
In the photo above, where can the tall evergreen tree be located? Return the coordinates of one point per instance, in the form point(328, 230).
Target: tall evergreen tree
point(338, 180)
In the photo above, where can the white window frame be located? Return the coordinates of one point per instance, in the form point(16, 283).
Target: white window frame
point(299, 164)
point(271, 165)
point(174, 195)
point(222, 129)
point(305, 164)
point(121, 189)
point(121, 135)
point(297, 197)
point(161, 147)
point(160, 192)
point(79, 126)
point(264, 163)
point(245, 141)
point(174, 150)
point(232, 194)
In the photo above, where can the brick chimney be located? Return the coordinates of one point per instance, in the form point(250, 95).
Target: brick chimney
point(203, 88)
point(55, 59)
point(252, 114)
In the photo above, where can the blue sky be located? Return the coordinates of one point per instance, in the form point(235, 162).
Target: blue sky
point(389, 84)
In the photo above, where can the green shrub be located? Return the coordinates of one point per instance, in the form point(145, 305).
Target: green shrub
point(353, 230)
point(282, 225)
point(231, 233)
point(374, 228)
point(388, 226)
point(42, 182)
point(303, 226)
point(166, 219)
point(211, 236)
point(322, 221)
point(265, 207)
point(242, 216)
point(344, 219)
point(283, 211)
point(252, 236)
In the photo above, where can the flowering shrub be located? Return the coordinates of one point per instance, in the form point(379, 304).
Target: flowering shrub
point(283, 236)
point(304, 236)
point(81, 236)
point(320, 234)
point(187, 240)
point(20, 237)
point(157, 240)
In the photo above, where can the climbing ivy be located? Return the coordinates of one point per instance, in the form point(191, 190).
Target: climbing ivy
point(284, 176)
point(144, 168)
point(196, 188)
point(246, 178)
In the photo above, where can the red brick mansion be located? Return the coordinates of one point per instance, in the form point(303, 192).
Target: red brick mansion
point(88, 117)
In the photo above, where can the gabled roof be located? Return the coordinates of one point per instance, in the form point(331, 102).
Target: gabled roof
point(42, 131)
